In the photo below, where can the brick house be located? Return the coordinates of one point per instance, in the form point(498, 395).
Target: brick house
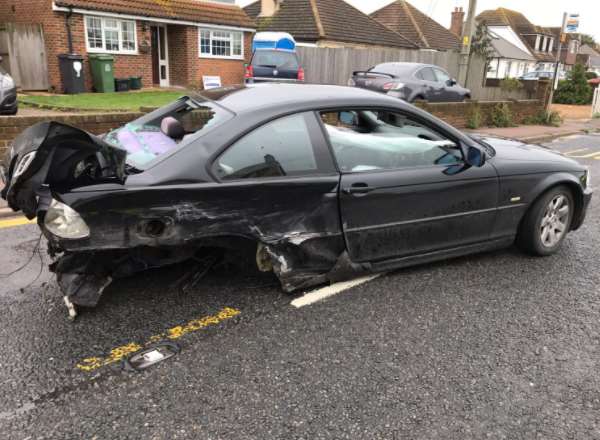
point(166, 42)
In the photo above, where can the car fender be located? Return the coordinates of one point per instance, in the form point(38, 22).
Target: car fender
point(555, 179)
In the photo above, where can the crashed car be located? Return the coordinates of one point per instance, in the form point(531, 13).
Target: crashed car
point(320, 183)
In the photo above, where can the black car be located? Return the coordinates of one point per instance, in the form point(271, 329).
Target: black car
point(8, 94)
point(316, 183)
point(272, 65)
point(411, 82)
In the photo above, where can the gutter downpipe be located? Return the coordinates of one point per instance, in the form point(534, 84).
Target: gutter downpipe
point(68, 25)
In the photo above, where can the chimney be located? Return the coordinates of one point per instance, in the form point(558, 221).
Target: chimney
point(268, 8)
point(458, 19)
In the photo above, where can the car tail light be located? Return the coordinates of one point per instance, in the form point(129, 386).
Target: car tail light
point(300, 74)
point(249, 72)
point(392, 85)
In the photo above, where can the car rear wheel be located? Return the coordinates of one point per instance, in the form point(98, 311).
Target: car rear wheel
point(547, 222)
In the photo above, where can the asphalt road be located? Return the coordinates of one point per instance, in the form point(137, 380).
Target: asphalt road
point(499, 345)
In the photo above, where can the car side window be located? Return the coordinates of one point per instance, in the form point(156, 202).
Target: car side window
point(442, 77)
point(279, 148)
point(427, 74)
point(367, 140)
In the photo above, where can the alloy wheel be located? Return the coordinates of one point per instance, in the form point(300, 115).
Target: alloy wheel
point(555, 221)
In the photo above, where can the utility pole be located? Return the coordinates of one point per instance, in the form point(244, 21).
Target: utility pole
point(557, 64)
point(465, 54)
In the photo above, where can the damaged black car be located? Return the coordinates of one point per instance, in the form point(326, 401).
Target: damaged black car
point(315, 183)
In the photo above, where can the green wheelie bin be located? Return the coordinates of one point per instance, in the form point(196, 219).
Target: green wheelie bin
point(103, 72)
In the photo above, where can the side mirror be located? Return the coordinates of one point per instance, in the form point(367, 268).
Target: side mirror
point(475, 157)
point(452, 82)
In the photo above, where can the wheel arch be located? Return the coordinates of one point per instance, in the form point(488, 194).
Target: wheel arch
point(553, 181)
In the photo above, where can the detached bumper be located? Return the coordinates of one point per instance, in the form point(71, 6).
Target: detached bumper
point(578, 220)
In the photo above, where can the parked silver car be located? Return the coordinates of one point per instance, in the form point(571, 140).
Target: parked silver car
point(411, 82)
point(542, 74)
point(8, 94)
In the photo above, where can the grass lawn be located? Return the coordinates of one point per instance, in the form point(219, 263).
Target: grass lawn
point(106, 101)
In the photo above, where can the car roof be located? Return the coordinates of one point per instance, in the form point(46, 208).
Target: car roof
point(239, 99)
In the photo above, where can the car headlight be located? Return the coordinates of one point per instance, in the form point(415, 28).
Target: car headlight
point(7, 82)
point(23, 164)
point(64, 222)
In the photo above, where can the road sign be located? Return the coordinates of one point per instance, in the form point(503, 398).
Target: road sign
point(572, 26)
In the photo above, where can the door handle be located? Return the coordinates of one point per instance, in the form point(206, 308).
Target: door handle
point(359, 188)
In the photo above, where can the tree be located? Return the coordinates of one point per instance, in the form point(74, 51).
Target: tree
point(575, 89)
point(481, 46)
point(588, 40)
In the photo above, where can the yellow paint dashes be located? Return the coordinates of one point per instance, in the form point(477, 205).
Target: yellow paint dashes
point(576, 154)
point(118, 353)
point(17, 221)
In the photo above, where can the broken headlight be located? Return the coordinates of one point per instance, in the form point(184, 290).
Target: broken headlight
point(64, 222)
point(23, 164)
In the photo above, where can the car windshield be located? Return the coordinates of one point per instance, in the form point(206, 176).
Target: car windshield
point(165, 129)
point(275, 58)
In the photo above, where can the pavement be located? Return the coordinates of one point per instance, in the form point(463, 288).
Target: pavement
point(541, 133)
point(497, 345)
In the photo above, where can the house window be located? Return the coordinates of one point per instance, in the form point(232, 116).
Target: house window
point(221, 44)
point(104, 34)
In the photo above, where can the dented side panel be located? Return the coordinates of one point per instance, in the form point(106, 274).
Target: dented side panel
point(296, 218)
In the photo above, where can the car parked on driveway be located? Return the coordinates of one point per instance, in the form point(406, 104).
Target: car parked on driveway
point(273, 65)
point(411, 82)
point(317, 183)
point(8, 94)
point(542, 74)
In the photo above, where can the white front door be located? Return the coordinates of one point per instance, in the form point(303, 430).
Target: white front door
point(162, 50)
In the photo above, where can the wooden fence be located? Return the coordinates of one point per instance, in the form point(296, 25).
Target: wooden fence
point(24, 55)
point(335, 66)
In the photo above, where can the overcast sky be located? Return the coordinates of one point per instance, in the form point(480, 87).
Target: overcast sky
point(540, 12)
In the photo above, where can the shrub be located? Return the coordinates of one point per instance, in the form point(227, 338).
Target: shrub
point(475, 118)
point(501, 116)
point(575, 89)
point(544, 117)
point(596, 116)
point(591, 75)
point(510, 84)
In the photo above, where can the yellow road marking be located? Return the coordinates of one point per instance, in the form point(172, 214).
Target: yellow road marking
point(594, 155)
point(118, 353)
point(576, 151)
point(18, 221)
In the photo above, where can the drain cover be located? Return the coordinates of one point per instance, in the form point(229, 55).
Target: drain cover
point(150, 356)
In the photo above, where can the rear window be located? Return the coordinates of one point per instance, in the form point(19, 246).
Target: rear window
point(144, 140)
point(394, 69)
point(276, 59)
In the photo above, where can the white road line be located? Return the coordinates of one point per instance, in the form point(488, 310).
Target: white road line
point(334, 289)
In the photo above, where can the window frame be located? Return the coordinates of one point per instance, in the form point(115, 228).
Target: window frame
point(119, 22)
point(231, 40)
point(324, 157)
point(428, 124)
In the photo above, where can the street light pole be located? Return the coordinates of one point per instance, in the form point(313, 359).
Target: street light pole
point(465, 53)
point(561, 35)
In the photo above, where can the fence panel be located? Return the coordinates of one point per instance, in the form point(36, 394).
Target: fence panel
point(26, 60)
point(596, 103)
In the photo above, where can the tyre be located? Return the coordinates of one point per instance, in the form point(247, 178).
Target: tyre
point(547, 222)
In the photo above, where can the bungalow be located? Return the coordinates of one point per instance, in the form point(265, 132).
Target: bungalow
point(518, 30)
point(325, 23)
point(166, 42)
point(406, 20)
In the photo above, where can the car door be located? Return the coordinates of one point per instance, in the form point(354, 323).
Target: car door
point(432, 89)
point(279, 184)
point(449, 92)
point(405, 188)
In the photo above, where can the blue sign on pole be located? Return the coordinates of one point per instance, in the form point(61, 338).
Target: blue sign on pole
point(572, 26)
